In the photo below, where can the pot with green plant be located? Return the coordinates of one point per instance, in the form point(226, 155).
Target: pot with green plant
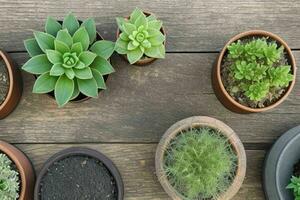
point(10, 85)
point(200, 158)
point(16, 174)
point(87, 173)
point(140, 38)
point(281, 178)
point(70, 60)
point(255, 72)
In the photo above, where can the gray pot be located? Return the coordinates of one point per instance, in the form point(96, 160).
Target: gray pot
point(279, 164)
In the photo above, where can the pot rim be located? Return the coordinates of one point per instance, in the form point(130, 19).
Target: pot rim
point(147, 60)
point(8, 150)
point(263, 34)
point(10, 72)
point(83, 151)
point(201, 121)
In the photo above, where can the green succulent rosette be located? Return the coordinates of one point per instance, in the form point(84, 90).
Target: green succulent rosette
point(68, 59)
point(140, 36)
point(9, 179)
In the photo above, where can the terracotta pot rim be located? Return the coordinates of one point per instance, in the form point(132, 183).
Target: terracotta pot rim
point(82, 151)
point(8, 149)
point(263, 34)
point(146, 60)
point(196, 122)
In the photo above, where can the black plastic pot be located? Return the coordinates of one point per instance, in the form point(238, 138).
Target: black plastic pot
point(79, 151)
point(279, 164)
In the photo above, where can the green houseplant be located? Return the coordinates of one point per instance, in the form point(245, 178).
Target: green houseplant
point(140, 37)
point(200, 158)
point(255, 72)
point(69, 58)
point(295, 187)
point(9, 179)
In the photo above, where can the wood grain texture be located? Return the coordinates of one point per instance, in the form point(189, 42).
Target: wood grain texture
point(191, 25)
point(136, 165)
point(140, 104)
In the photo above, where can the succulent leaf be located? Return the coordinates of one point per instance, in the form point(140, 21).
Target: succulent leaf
point(70, 23)
point(52, 26)
point(90, 27)
point(32, 47)
point(38, 65)
point(44, 40)
point(99, 79)
point(102, 66)
point(64, 89)
point(65, 37)
point(82, 36)
point(88, 87)
point(44, 83)
point(103, 48)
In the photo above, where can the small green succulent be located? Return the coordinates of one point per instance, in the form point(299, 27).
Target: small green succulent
point(9, 179)
point(68, 59)
point(140, 36)
point(295, 187)
point(200, 163)
point(256, 68)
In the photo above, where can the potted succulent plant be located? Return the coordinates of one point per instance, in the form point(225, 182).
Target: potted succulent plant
point(70, 59)
point(200, 158)
point(254, 72)
point(282, 168)
point(87, 173)
point(140, 38)
point(16, 174)
point(10, 85)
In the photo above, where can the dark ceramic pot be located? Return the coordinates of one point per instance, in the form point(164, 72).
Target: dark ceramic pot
point(79, 151)
point(279, 164)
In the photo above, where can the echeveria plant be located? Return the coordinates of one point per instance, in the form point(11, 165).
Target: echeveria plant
point(140, 36)
point(68, 59)
point(9, 179)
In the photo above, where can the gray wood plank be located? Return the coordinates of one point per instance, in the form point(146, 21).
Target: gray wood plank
point(139, 105)
point(201, 25)
point(136, 165)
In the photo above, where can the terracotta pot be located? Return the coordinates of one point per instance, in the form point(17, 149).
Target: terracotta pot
point(82, 97)
point(15, 87)
point(197, 122)
point(146, 60)
point(24, 168)
point(74, 151)
point(219, 88)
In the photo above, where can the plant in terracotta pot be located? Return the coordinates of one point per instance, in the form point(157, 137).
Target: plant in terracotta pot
point(255, 72)
point(200, 158)
point(87, 173)
point(140, 38)
point(10, 85)
point(16, 174)
point(70, 59)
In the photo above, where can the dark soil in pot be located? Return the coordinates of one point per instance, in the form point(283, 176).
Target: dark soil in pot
point(228, 80)
point(297, 169)
point(4, 81)
point(78, 177)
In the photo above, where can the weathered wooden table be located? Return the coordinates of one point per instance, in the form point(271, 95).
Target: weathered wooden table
point(128, 119)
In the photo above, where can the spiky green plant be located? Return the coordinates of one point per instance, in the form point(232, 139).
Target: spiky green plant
point(295, 187)
point(200, 163)
point(256, 70)
point(140, 36)
point(68, 59)
point(9, 179)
